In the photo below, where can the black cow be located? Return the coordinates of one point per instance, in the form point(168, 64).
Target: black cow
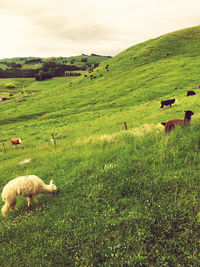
point(167, 102)
point(190, 93)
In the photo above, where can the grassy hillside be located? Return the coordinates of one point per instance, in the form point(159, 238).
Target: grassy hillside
point(124, 197)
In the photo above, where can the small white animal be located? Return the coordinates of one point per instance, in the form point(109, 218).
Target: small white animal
point(53, 141)
point(27, 186)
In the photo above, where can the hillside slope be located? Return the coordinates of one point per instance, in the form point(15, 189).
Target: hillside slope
point(128, 198)
point(120, 93)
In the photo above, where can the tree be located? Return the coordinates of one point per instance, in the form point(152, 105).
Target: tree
point(42, 75)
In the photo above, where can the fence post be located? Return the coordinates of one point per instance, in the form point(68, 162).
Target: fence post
point(125, 125)
point(4, 148)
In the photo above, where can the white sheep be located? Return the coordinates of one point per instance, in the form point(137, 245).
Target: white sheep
point(28, 186)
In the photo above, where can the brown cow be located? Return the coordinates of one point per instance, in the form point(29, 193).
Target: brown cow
point(15, 142)
point(169, 125)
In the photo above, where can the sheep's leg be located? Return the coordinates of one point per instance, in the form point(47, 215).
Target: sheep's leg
point(13, 206)
point(29, 201)
point(5, 210)
point(35, 199)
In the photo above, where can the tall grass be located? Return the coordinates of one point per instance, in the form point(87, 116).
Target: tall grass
point(124, 199)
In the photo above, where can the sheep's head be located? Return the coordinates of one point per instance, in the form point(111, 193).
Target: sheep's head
point(53, 187)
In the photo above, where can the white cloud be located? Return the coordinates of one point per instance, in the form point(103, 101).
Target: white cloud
point(48, 28)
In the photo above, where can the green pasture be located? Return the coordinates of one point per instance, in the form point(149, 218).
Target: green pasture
point(125, 197)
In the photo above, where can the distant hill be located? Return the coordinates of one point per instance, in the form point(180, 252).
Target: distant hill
point(28, 67)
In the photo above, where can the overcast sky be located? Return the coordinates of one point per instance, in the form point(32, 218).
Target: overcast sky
point(47, 28)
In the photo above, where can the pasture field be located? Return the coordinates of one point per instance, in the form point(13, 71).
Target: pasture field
point(29, 86)
point(125, 197)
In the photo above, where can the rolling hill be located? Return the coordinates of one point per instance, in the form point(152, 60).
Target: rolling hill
point(125, 197)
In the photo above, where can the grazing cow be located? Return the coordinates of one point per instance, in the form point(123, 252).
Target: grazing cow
point(168, 102)
point(190, 93)
point(15, 142)
point(171, 124)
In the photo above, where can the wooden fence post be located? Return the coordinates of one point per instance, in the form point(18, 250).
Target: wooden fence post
point(125, 125)
point(4, 148)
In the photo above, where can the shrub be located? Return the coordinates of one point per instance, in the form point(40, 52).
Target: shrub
point(10, 85)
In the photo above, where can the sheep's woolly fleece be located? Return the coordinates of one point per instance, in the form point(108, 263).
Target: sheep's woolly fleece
point(28, 186)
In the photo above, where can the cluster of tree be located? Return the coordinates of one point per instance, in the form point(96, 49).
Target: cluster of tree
point(52, 69)
point(48, 70)
point(42, 75)
point(59, 68)
point(11, 64)
point(18, 73)
point(49, 65)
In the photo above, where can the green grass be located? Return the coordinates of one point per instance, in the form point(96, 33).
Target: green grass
point(124, 197)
